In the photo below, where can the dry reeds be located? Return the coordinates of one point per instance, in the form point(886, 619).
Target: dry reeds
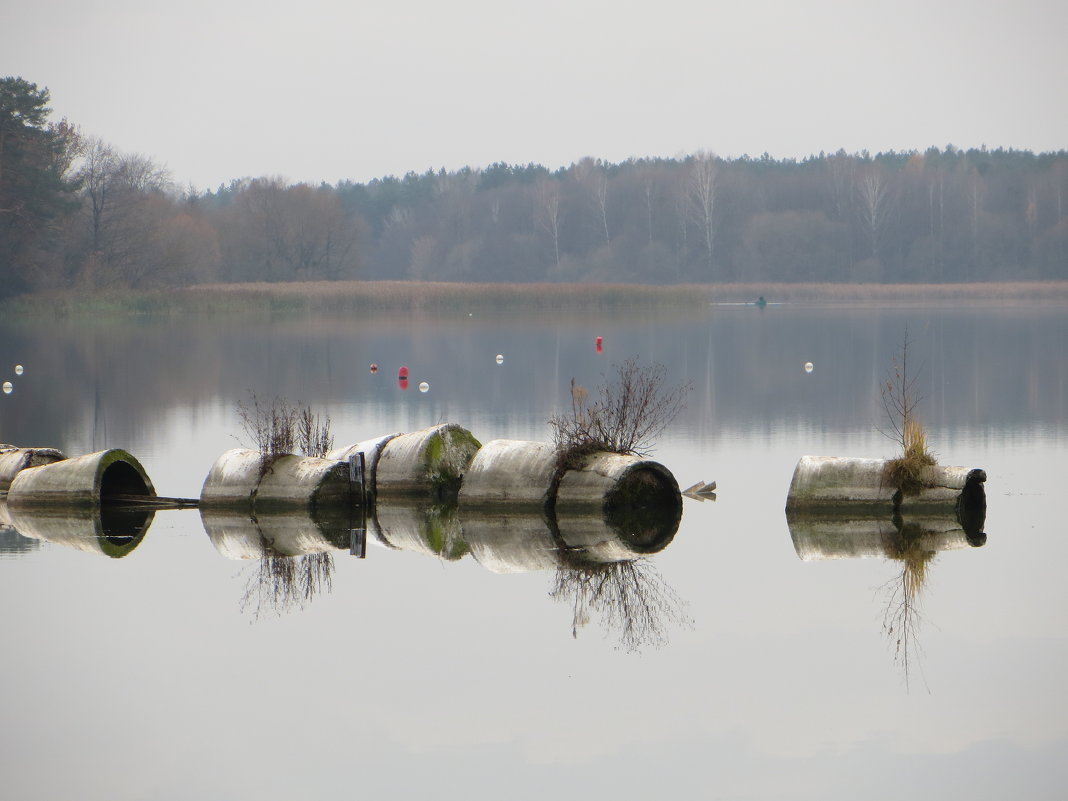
point(278, 428)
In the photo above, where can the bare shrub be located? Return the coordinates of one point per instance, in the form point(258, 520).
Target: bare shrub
point(278, 429)
point(280, 583)
point(629, 413)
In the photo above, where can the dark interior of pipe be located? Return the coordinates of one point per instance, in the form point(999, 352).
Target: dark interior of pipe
point(121, 478)
point(645, 508)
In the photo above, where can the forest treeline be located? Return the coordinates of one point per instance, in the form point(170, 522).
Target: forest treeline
point(77, 213)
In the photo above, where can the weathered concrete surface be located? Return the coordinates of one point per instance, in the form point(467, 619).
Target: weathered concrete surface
point(612, 480)
point(102, 531)
point(822, 481)
point(429, 529)
point(289, 482)
point(514, 472)
point(505, 542)
point(600, 539)
point(81, 481)
point(426, 464)
point(372, 452)
point(14, 459)
point(841, 537)
point(294, 532)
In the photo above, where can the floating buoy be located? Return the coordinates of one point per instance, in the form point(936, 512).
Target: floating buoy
point(374, 367)
point(424, 387)
point(7, 387)
point(402, 373)
point(402, 381)
point(500, 359)
point(18, 369)
point(808, 367)
point(599, 342)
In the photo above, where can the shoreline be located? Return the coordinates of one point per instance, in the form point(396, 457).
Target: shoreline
point(331, 297)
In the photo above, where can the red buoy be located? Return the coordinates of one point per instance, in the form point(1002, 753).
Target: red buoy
point(599, 341)
point(374, 367)
point(402, 373)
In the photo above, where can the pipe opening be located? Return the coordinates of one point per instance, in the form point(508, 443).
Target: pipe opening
point(121, 478)
point(645, 507)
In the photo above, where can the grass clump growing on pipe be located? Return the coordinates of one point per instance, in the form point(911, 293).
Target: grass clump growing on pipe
point(900, 402)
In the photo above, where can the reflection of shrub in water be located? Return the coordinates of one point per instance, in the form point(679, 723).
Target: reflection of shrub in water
point(901, 615)
point(628, 596)
point(281, 583)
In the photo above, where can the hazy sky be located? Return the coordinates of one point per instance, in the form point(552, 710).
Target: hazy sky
point(319, 90)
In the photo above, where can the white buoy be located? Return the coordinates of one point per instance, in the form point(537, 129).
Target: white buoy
point(7, 387)
point(808, 367)
point(500, 359)
point(18, 369)
point(424, 387)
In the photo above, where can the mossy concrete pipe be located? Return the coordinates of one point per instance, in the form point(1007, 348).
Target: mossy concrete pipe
point(503, 541)
point(429, 529)
point(427, 464)
point(829, 481)
point(514, 472)
point(13, 460)
point(85, 480)
point(238, 480)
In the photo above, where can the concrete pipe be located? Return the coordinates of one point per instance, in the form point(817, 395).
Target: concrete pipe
point(842, 537)
point(824, 481)
point(621, 485)
point(505, 542)
point(372, 452)
point(90, 480)
point(515, 472)
point(429, 529)
point(237, 480)
point(13, 460)
point(599, 539)
point(426, 464)
point(107, 530)
point(294, 532)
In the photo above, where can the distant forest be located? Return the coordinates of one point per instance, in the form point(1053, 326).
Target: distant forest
point(77, 213)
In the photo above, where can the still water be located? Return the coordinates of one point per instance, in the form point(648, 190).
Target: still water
point(748, 673)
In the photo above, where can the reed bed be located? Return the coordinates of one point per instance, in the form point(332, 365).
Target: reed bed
point(366, 297)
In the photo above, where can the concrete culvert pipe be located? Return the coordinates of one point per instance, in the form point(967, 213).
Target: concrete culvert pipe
point(428, 464)
point(13, 460)
point(372, 452)
point(106, 530)
point(620, 485)
point(239, 480)
point(429, 529)
point(836, 481)
point(513, 472)
point(90, 480)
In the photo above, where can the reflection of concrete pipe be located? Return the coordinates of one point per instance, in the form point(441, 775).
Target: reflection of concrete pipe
point(853, 537)
point(506, 542)
point(83, 481)
point(13, 460)
point(105, 530)
point(289, 482)
point(514, 472)
point(426, 464)
point(429, 529)
point(294, 532)
point(372, 452)
point(618, 538)
point(841, 481)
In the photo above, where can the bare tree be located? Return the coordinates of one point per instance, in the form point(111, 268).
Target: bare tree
point(702, 194)
point(549, 214)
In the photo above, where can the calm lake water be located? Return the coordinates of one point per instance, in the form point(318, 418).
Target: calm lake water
point(753, 674)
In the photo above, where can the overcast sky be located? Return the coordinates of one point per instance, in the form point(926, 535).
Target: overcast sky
point(319, 90)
